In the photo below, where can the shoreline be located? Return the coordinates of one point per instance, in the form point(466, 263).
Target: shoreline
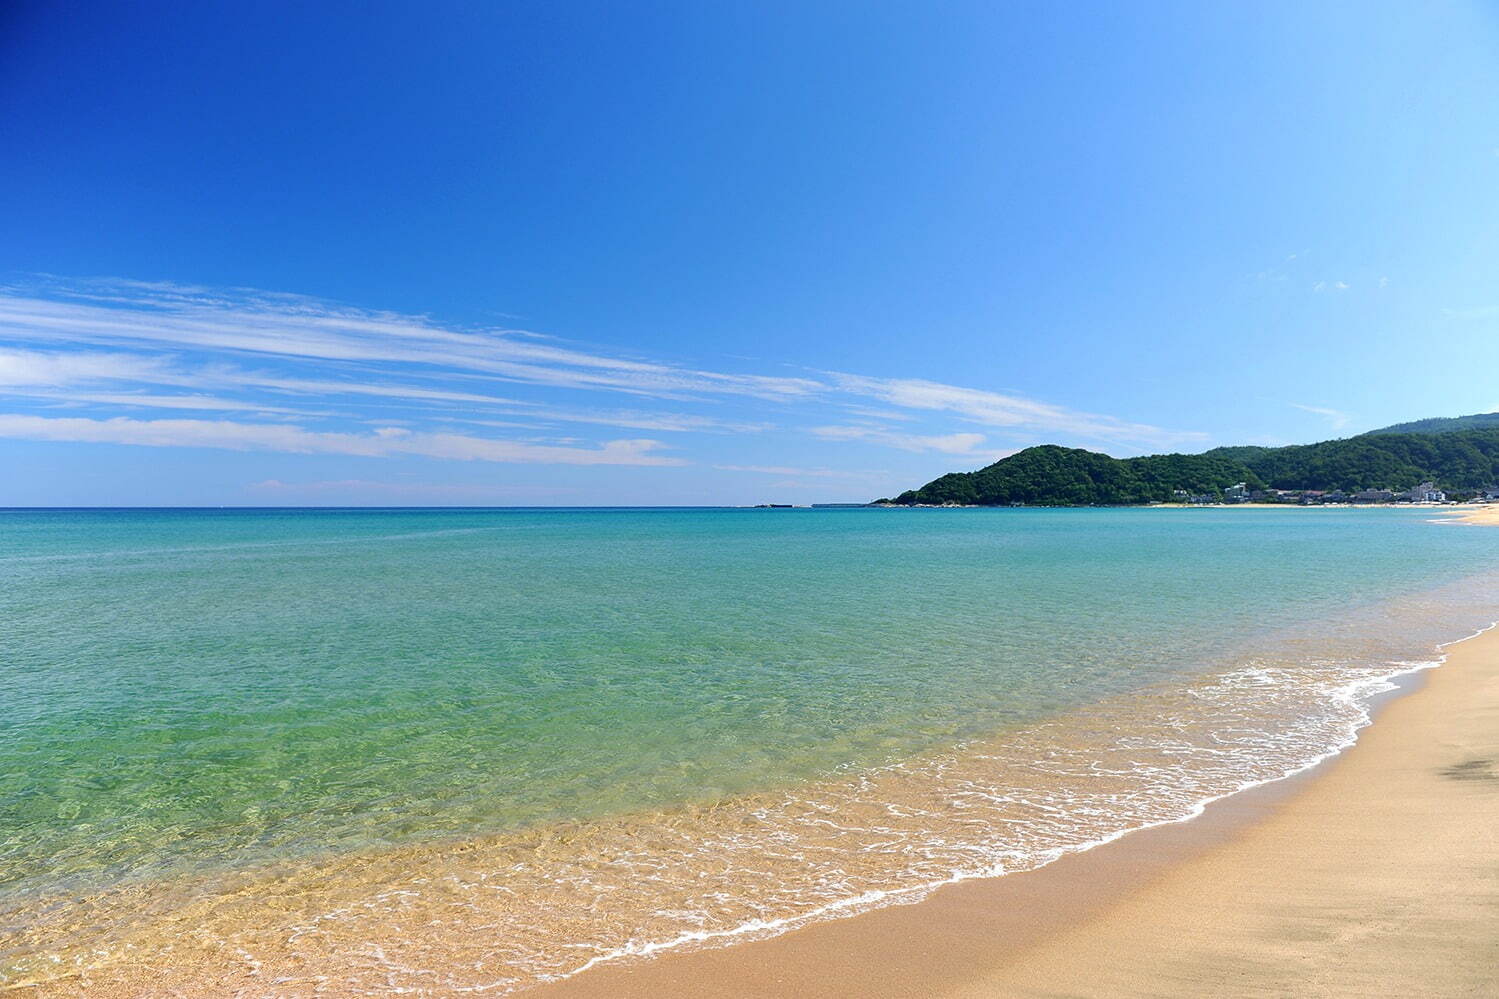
point(946, 938)
point(1485, 516)
point(1460, 510)
point(1330, 874)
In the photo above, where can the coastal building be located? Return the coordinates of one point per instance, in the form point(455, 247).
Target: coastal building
point(1191, 499)
point(1427, 492)
point(1372, 496)
point(1238, 493)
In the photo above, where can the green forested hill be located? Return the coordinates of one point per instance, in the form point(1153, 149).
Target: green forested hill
point(1056, 476)
point(1443, 425)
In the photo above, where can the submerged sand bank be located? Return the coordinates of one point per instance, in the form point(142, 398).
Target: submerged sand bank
point(1376, 874)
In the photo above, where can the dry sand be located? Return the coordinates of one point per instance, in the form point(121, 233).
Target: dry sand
point(1487, 515)
point(1381, 877)
point(1377, 874)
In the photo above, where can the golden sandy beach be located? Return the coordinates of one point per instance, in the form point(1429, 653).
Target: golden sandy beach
point(1381, 877)
point(1487, 515)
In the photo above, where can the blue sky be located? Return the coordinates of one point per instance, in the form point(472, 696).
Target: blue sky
point(568, 253)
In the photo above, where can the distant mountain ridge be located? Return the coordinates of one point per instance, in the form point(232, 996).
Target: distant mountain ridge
point(1442, 424)
point(1462, 462)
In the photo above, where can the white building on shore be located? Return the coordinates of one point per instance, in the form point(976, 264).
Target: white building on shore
point(1426, 492)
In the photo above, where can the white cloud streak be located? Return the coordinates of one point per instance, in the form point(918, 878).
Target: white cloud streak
point(406, 491)
point(381, 443)
point(151, 345)
point(1336, 418)
point(46, 375)
point(634, 420)
point(34, 368)
point(961, 443)
point(993, 409)
point(201, 403)
point(816, 473)
point(298, 328)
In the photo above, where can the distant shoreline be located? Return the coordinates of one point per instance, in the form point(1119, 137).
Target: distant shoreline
point(1456, 508)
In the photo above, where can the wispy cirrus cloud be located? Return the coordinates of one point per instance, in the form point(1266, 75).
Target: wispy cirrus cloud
point(960, 443)
point(440, 492)
point(994, 409)
point(317, 375)
point(65, 378)
point(137, 400)
point(642, 420)
point(815, 473)
point(287, 326)
point(381, 443)
point(21, 368)
point(1336, 418)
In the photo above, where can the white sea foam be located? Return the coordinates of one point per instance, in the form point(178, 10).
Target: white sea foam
point(1348, 702)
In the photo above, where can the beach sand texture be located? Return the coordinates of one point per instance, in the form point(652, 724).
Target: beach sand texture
point(1381, 877)
point(1486, 515)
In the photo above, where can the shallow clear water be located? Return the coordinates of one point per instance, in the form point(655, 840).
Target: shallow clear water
point(194, 695)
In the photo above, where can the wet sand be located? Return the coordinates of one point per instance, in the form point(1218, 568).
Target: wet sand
point(1377, 873)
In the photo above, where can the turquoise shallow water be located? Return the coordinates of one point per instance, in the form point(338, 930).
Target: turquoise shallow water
point(191, 690)
point(476, 750)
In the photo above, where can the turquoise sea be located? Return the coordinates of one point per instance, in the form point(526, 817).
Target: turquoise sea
point(205, 709)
